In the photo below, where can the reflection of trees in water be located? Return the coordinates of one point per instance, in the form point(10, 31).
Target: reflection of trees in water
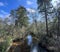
point(34, 48)
point(38, 48)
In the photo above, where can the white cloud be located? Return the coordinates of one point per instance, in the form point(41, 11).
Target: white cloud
point(31, 10)
point(1, 15)
point(55, 2)
point(1, 4)
point(4, 16)
point(7, 15)
point(3, 12)
point(29, 2)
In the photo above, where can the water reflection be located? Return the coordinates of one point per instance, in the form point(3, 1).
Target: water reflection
point(34, 50)
point(27, 46)
point(34, 47)
point(29, 40)
point(37, 48)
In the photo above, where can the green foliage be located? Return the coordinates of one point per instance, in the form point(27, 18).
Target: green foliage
point(4, 45)
point(42, 3)
point(20, 16)
point(20, 19)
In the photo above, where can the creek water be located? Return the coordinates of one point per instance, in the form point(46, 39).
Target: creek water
point(34, 47)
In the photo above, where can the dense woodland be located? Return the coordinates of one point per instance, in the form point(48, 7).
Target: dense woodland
point(18, 23)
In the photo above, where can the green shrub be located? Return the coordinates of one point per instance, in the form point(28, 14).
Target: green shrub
point(4, 45)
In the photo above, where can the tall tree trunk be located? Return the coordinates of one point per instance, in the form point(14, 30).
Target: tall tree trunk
point(46, 19)
point(58, 23)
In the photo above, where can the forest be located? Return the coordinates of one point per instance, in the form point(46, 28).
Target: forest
point(43, 23)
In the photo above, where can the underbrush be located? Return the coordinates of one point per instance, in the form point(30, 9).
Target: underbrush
point(4, 45)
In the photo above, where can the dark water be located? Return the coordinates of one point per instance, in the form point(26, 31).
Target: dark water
point(35, 47)
point(29, 46)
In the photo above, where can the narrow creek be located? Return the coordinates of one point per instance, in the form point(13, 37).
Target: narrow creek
point(28, 46)
point(34, 47)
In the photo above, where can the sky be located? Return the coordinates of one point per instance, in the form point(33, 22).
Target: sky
point(7, 5)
